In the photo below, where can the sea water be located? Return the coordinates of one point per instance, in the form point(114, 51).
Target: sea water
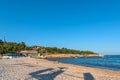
point(111, 62)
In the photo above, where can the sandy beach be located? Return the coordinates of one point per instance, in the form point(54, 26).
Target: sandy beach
point(41, 69)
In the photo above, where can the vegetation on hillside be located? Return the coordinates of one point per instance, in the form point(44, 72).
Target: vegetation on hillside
point(54, 50)
point(13, 47)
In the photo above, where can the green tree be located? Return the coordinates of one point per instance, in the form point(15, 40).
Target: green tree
point(1, 47)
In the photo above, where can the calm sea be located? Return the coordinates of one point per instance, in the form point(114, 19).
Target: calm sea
point(111, 62)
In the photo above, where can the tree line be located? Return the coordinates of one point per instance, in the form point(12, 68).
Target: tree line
point(13, 47)
point(55, 50)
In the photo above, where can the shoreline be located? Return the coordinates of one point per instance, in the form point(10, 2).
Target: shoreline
point(81, 65)
point(78, 65)
point(98, 73)
point(43, 69)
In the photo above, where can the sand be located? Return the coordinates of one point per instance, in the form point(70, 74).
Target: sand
point(41, 69)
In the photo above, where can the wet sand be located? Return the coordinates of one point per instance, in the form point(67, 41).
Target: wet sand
point(41, 69)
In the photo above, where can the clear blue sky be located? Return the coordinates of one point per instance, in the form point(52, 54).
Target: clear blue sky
point(78, 24)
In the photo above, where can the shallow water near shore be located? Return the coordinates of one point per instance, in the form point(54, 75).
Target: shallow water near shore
point(110, 62)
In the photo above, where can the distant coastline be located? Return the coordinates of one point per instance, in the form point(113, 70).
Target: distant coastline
point(68, 56)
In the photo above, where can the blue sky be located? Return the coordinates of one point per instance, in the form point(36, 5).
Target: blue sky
point(78, 24)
